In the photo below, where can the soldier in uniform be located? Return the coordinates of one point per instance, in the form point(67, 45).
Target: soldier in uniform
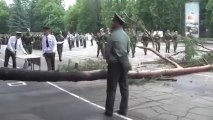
point(175, 40)
point(1, 39)
point(145, 40)
point(151, 38)
point(69, 39)
point(84, 40)
point(168, 38)
point(81, 39)
point(133, 41)
point(28, 41)
point(92, 38)
point(157, 41)
point(117, 51)
point(100, 44)
point(60, 42)
point(77, 37)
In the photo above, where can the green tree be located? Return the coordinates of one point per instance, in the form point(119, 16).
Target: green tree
point(209, 16)
point(49, 13)
point(19, 18)
point(84, 16)
point(4, 15)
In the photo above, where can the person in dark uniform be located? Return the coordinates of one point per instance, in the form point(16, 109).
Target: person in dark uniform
point(175, 40)
point(100, 44)
point(1, 39)
point(85, 40)
point(77, 37)
point(117, 50)
point(14, 44)
point(60, 42)
point(145, 40)
point(133, 40)
point(168, 38)
point(92, 38)
point(151, 38)
point(69, 40)
point(28, 41)
point(49, 48)
point(157, 41)
point(81, 39)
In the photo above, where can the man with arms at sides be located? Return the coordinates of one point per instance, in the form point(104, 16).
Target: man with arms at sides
point(13, 45)
point(49, 47)
point(117, 50)
point(60, 42)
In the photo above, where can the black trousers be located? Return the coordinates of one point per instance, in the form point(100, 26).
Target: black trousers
point(77, 43)
point(29, 49)
point(73, 43)
point(70, 44)
point(91, 42)
point(9, 54)
point(117, 74)
point(60, 50)
point(145, 44)
point(50, 59)
point(85, 43)
point(81, 42)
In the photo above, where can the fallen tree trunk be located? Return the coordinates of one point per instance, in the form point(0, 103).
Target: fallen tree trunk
point(41, 76)
point(169, 72)
point(162, 57)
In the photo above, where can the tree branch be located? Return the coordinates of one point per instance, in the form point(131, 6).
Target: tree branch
point(201, 45)
point(162, 57)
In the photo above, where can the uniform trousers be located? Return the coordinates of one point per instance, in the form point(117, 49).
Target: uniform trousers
point(117, 75)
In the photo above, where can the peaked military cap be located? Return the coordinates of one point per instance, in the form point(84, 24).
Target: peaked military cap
point(118, 18)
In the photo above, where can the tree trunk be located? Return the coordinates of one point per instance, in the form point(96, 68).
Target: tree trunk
point(41, 76)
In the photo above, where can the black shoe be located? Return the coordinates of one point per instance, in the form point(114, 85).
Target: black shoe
point(121, 113)
point(108, 114)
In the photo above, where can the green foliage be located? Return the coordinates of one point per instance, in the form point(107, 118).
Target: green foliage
point(4, 15)
point(190, 48)
point(85, 65)
point(84, 16)
point(35, 14)
point(49, 13)
point(19, 18)
point(209, 16)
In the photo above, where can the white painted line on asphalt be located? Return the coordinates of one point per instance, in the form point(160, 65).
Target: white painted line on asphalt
point(85, 100)
point(15, 84)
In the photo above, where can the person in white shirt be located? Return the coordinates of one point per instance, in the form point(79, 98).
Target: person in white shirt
point(49, 48)
point(14, 44)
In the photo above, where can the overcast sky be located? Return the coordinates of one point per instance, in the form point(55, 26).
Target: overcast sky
point(67, 3)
